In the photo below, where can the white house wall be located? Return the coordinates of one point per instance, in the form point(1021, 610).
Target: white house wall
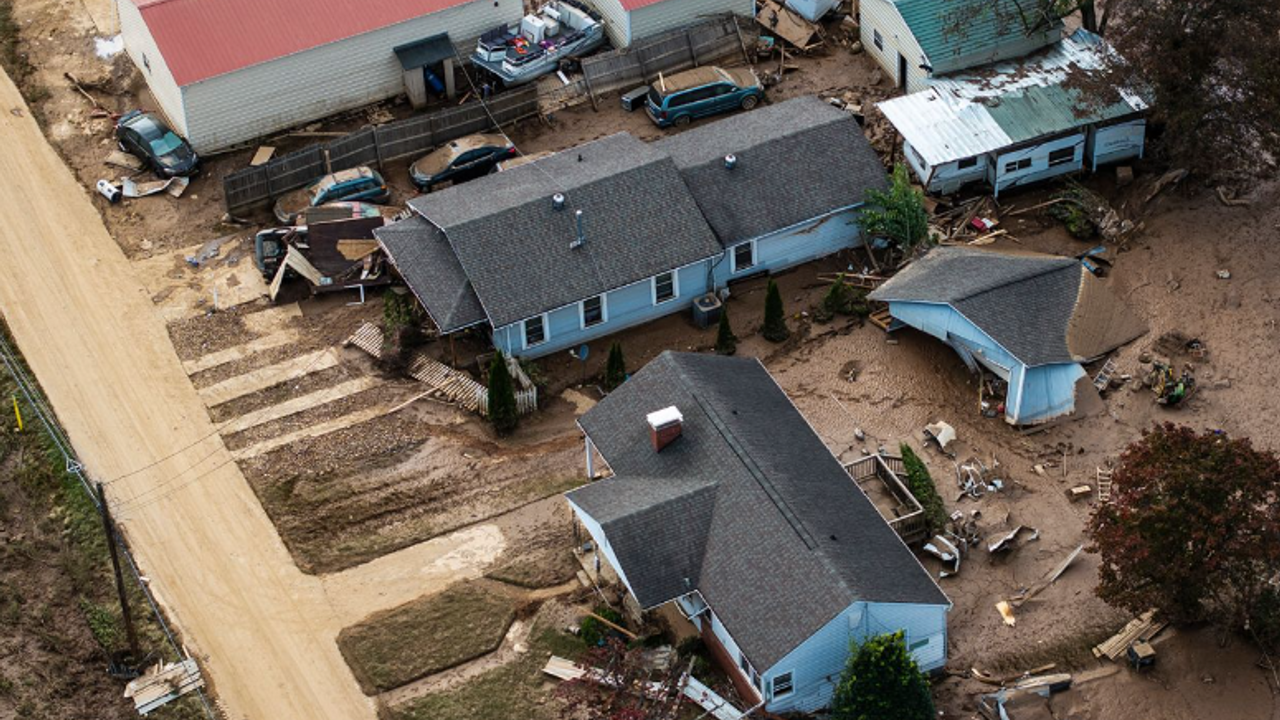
point(945, 178)
point(246, 104)
point(881, 15)
point(1113, 143)
point(1039, 168)
point(669, 14)
point(617, 21)
point(146, 56)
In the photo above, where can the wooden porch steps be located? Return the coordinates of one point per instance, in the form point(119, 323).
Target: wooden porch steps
point(881, 318)
point(1104, 485)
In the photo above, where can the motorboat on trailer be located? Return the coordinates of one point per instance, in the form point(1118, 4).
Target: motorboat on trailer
point(533, 47)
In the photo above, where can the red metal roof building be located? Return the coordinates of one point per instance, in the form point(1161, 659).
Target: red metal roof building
point(228, 71)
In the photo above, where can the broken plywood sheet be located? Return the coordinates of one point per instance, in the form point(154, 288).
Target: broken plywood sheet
point(121, 159)
point(1140, 629)
point(262, 155)
point(788, 25)
point(242, 351)
point(324, 428)
point(293, 406)
point(162, 684)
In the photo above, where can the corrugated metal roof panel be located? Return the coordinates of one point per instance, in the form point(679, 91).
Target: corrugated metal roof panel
point(201, 39)
point(959, 28)
point(1006, 103)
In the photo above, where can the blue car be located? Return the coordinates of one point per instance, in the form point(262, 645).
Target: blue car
point(678, 99)
point(359, 183)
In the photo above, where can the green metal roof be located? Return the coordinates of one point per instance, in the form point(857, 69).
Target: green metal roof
point(1040, 110)
point(987, 30)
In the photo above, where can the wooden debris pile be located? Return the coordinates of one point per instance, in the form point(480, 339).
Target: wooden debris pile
point(975, 221)
point(1140, 629)
point(162, 684)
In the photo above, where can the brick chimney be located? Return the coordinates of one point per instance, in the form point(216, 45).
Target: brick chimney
point(664, 426)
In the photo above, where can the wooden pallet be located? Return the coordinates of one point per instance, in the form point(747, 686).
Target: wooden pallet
point(1104, 485)
point(1140, 629)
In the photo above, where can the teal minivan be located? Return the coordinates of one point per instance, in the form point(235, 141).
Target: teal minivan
point(678, 99)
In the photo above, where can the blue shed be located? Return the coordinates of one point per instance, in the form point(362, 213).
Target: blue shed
point(725, 502)
point(617, 232)
point(1030, 319)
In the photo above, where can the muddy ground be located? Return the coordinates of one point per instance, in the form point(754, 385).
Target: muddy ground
point(386, 483)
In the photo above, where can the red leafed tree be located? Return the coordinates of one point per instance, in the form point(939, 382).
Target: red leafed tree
point(1193, 528)
point(621, 685)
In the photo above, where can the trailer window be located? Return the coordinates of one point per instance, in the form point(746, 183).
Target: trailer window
point(967, 163)
point(1062, 156)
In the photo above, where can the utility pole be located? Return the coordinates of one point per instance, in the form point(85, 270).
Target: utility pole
point(110, 528)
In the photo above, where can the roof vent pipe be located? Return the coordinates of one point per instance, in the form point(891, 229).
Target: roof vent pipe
point(578, 241)
point(730, 161)
point(557, 201)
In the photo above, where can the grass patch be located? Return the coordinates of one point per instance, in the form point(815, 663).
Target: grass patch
point(517, 690)
point(542, 568)
point(69, 537)
point(423, 637)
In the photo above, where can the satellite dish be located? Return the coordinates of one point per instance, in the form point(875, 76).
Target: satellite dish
point(583, 351)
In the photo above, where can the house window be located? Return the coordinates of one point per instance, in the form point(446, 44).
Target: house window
point(1062, 156)
point(967, 163)
point(744, 256)
point(782, 685)
point(592, 311)
point(664, 287)
point(1017, 165)
point(535, 332)
point(879, 41)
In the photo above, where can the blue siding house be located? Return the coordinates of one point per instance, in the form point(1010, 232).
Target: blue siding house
point(724, 501)
point(617, 232)
point(1030, 319)
point(1021, 121)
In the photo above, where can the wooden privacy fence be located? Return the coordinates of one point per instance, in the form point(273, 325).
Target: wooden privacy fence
point(666, 53)
point(374, 146)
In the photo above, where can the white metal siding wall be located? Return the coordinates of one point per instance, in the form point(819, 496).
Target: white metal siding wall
point(669, 14)
point(1039, 156)
point(139, 44)
point(252, 102)
point(617, 22)
point(1116, 142)
point(883, 16)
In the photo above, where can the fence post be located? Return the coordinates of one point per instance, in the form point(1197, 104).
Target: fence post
point(377, 148)
point(688, 40)
point(328, 166)
point(746, 57)
point(591, 94)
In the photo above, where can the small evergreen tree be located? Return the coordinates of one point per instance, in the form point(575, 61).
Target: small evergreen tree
point(920, 482)
point(897, 214)
point(880, 681)
point(502, 396)
point(726, 341)
point(615, 369)
point(775, 322)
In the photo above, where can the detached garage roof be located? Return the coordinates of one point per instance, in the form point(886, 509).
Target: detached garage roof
point(201, 39)
point(1040, 308)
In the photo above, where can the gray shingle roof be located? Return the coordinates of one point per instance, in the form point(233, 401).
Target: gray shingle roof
point(639, 220)
point(427, 263)
point(748, 505)
point(1026, 302)
point(796, 160)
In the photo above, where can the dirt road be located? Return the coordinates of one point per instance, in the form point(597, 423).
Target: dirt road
point(264, 630)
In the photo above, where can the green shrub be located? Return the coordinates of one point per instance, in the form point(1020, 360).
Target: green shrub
point(592, 631)
point(615, 368)
point(921, 485)
point(502, 396)
point(775, 319)
point(726, 341)
point(882, 681)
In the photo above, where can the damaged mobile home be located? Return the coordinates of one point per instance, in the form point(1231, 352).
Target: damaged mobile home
point(617, 232)
point(725, 502)
point(1019, 122)
point(1030, 319)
